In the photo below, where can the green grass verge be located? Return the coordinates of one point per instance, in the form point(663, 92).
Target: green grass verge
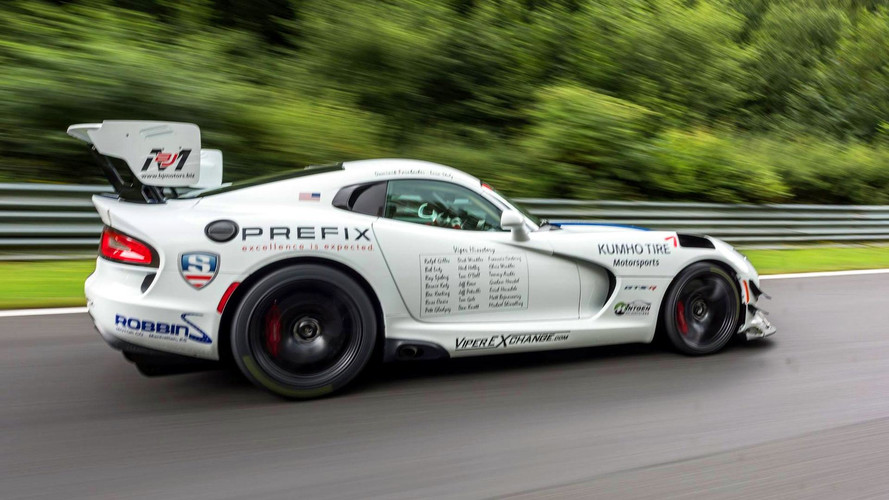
point(60, 283)
point(55, 283)
point(804, 260)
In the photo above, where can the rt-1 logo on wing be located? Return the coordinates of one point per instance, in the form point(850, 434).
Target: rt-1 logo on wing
point(198, 268)
point(164, 159)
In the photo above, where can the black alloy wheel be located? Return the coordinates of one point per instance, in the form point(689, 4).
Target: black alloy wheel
point(701, 310)
point(304, 331)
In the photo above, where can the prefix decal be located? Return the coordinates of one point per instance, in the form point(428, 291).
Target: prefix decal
point(285, 233)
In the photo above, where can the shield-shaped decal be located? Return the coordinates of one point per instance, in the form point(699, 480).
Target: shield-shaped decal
point(198, 268)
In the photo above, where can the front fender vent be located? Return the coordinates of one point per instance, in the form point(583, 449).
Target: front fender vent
point(694, 241)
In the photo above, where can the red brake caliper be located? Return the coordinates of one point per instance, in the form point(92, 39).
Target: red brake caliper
point(273, 330)
point(680, 318)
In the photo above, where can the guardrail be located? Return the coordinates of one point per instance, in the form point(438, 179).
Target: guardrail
point(737, 224)
point(48, 217)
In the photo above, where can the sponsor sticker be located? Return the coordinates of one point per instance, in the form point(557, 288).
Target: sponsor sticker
point(506, 341)
point(634, 249)
point(634, 308)
point(198, 268)
point(641, 255)
point(640, 288)
point(413, 172)
point(175, 332)
point(168, 165)
point(165, 159)
point(306, 238)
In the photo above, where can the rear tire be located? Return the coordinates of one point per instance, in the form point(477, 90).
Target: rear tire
point(700, 314)
point(304, 331)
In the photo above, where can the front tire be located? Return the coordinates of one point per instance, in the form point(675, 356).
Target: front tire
point(304, 331)
point(701, 310)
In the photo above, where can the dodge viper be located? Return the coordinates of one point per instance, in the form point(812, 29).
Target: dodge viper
point(303, 278)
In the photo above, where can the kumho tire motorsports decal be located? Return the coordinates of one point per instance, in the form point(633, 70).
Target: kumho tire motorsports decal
point(506, 341)
point(640, 255)
point(634, 308)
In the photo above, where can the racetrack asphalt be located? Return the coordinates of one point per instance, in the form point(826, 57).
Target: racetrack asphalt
point(802, 415)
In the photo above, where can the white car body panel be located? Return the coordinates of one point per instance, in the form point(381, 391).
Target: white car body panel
point(560, 289)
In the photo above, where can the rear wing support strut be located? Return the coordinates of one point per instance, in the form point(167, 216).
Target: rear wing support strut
point(135, 191)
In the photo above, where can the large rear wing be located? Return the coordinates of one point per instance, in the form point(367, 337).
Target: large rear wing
point(159, 155)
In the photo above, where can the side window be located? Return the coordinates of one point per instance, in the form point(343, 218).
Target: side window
point(441, 204)
point(365, 199)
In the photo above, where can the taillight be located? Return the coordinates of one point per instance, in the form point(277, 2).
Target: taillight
point(119, 247)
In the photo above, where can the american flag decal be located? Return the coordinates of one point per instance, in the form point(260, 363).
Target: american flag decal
point(309, 196)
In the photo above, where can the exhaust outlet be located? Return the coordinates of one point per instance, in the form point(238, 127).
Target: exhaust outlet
point(409, 352)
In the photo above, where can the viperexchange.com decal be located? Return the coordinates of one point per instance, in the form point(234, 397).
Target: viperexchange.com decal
point(504, 341)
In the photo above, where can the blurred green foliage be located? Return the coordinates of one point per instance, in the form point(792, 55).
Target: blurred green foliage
point(712, 100)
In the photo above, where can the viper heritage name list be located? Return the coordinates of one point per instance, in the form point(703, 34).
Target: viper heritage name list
point(465, 284)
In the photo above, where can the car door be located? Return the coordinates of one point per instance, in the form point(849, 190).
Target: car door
point(452, 262)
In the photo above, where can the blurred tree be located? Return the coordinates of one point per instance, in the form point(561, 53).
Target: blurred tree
point(678, 99)
point(793, 39)
point(586, 144)
point(681, 61)
point(851, 94)
point(264, 17)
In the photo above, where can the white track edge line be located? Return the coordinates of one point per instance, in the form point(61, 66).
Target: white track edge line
point(42, 312)
point(825, 274)
point(78, 310)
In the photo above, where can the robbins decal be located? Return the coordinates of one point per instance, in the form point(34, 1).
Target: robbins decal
point(198, 268)
point(505, 341)
point(641, 288)
point(634, 308)
point(176, 332)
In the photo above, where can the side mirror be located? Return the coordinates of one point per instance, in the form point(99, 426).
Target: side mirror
point(515, 222)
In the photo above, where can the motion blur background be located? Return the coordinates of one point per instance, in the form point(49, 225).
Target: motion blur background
point(729, 101)
point(704, 100)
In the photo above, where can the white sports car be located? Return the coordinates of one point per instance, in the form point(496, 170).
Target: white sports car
point(301, 278)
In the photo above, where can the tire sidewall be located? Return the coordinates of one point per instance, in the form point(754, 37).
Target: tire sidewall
point(669, 325)
point(277, 281)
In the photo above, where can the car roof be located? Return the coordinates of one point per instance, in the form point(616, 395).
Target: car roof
point(395, 168)
point(353, 172)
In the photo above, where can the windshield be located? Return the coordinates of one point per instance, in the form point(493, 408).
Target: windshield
point(265, 179)
point(508, 202)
